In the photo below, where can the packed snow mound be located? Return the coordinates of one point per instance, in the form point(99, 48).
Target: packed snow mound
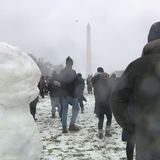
point(19, 76)
point(18, 87)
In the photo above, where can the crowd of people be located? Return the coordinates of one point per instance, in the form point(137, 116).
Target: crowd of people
point(133, 99)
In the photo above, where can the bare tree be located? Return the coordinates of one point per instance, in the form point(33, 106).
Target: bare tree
point(46, 67)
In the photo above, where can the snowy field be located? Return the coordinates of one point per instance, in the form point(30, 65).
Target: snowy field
point(81, 145)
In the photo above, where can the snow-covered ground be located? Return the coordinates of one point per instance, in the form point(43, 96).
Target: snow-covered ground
point(81, 145)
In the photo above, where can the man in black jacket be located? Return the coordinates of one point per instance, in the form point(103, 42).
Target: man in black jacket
point(142, 77)
point(68, 83)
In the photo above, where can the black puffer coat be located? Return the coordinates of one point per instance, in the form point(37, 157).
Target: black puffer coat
point(102, 91)
point(142, 77)
point(80, 89)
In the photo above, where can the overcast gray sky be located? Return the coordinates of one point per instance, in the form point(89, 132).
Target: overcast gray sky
point(48, 29)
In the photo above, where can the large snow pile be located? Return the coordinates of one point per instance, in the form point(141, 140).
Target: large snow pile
point(19, 137)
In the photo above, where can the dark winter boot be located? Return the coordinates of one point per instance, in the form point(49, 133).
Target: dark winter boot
point(108, 134)
point(100, 134)
point(107, 131)
point(82, 110)
point(64, 131)
point(53, 115)
point(73, 128)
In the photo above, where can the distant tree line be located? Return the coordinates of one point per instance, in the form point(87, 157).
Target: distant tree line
point(46, 67)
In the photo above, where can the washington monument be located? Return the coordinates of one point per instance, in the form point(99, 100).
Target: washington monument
point(88, 59)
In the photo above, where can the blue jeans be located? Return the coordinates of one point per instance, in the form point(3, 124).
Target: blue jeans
point(74, 102)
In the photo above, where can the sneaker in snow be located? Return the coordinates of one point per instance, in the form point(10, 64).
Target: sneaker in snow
point(64, 131)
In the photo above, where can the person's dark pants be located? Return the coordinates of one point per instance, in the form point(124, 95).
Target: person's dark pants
point(42, 93)
point(129, 145)
point(33, 105)
point(81, 103)
point(89, 90)
point(129, 150)
point(60, 100)
point(101, 119)
point(95, 107)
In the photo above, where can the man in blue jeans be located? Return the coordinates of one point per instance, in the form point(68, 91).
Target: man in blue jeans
point(68, 83)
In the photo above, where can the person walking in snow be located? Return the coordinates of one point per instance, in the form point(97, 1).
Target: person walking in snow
point(113, 80)
point(102, 91)
point(141, 77)
point(68, 82)
point(55, 94)
point(47, 79)
point(89, 84)
point(79, 91)
point(41, 86)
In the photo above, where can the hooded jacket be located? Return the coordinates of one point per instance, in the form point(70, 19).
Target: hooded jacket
point(141, 77)
point(102, 90)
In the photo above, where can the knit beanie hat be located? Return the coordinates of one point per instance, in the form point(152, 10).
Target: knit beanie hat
point(79, 75)
point(154, 32)
point(69, 61)
point(100, 69)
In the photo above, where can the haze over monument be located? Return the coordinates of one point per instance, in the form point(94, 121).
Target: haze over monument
point(88, 52)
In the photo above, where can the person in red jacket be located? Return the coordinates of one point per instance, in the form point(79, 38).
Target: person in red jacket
point(41, 86)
